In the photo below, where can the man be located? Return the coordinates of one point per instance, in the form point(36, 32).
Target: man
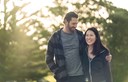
point(65, 54)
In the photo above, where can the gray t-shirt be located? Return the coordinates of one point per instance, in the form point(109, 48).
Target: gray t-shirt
point(71, 52)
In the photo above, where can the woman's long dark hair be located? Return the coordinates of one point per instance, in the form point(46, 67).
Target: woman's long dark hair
point(98, 46)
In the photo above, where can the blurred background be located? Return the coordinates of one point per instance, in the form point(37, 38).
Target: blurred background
point(26, 26)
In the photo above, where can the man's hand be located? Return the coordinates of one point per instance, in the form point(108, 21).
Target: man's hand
point(109, 58)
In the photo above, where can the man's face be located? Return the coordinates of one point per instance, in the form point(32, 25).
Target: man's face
point(72, 24)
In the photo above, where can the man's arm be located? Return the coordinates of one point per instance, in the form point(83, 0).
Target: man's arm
point(50, 56)
point(58, 72)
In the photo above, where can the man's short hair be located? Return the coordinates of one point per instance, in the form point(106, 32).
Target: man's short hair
point(70, 15)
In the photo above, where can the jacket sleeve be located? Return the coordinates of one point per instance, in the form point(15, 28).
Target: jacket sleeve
point(50, 56)
point(107, 66)
point(108, 73)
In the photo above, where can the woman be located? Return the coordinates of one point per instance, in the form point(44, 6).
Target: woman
point(99, 69)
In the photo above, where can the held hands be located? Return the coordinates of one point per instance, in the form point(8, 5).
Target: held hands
point(109, 58)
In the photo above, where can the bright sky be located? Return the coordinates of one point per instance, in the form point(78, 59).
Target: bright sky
point(120, 3)
point(36, 4)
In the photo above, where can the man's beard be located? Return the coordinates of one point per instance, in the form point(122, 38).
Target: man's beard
point(71, 29)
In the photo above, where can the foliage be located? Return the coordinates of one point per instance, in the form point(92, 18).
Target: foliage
point(117, 42)
point(21, 57)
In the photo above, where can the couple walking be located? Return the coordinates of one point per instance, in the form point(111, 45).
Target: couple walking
point(73, 56)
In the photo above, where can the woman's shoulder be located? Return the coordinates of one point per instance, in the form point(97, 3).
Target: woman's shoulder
point(104, 52)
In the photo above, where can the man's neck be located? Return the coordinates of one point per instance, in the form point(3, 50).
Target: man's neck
point(66, 30)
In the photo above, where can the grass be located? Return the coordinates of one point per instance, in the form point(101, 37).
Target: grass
point(50, 78)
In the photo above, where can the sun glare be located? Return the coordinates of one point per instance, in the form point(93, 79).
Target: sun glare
point(37, 5)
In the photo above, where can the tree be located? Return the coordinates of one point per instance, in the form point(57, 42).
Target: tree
point(21, 57)
point(92, 12)
point(116, 34)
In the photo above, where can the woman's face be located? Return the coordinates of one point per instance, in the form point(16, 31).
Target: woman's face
point(90, 37)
